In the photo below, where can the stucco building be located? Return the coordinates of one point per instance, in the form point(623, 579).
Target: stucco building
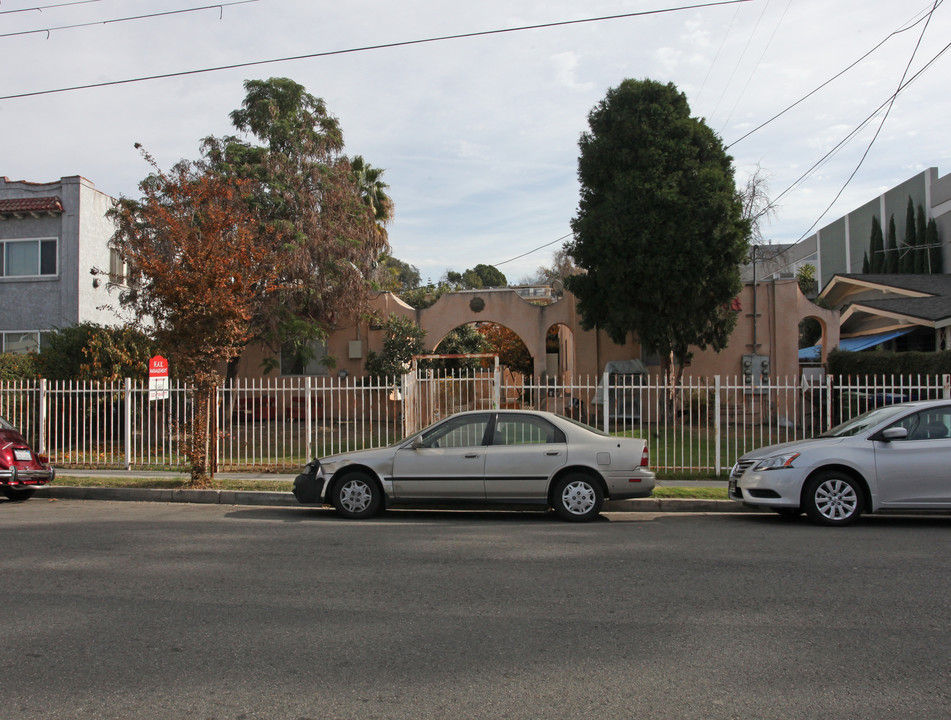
point(51, 236)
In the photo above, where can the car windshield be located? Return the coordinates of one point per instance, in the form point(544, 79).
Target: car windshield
point(861, 423)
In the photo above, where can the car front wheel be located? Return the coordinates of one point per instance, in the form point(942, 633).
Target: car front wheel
point(833, 498)
point(578, 498)
point(357, 496)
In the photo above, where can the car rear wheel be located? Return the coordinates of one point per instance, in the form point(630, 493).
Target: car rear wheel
point(18, 494)
point(833, 498)
point(578, 498)
point(357, 496)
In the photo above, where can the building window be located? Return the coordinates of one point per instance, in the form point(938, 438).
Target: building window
point(20, 343)
point(118, 268)
point(309, 359)
point(28, 258)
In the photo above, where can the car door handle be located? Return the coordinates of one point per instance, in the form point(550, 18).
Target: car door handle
point(471, 455)
point(553, 452)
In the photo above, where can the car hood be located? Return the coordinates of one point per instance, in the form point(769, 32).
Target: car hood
point(371, 458)
point(794, 446)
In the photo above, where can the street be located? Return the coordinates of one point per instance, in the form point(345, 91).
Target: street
point(150, 610)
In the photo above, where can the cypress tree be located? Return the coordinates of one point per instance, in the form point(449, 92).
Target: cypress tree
point(921, 254)
point(909, 252)
point(935, 254)
point(891, 250)
point(876, 248)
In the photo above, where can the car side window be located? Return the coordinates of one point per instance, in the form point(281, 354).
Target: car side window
point(525, 430)
point(459, 432)
point(933, 424)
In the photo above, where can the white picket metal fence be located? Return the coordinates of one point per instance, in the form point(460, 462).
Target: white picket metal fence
point(278, 425)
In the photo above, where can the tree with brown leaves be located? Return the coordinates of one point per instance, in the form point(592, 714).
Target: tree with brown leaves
point(196, 271)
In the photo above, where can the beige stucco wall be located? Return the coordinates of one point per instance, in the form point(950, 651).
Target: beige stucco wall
point(779, 307)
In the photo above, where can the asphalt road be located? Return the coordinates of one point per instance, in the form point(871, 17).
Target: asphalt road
point(152, 610)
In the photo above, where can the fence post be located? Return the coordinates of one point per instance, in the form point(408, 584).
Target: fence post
point(497, 398)
point(946, 379)
point(607, 401)
point(127, 451)
point(716, 424)
point(828, 423)
point(308, 419)
point(42, 416)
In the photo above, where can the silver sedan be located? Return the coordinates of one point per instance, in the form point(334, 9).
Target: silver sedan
point(895, 457)
point(503, 456)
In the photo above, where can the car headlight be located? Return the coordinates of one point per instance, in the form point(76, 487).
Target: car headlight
point(776, 462)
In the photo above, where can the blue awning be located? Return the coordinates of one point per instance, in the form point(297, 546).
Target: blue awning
point(853, 344)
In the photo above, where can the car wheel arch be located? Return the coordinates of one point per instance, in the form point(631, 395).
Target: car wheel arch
point(341, 475)
point(575, 470)
point(847, 470)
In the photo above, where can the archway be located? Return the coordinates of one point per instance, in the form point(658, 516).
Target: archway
point(560, 353)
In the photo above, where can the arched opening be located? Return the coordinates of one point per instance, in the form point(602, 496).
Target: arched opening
point(560, 354)
point(811, 332)
point(484, 337)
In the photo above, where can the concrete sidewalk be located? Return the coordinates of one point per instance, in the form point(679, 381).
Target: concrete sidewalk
point(244, 497)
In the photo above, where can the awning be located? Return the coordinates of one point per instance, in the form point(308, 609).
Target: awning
point(852, 344)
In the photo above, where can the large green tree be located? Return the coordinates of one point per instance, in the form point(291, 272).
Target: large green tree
point(659, 230)
point(321, 214)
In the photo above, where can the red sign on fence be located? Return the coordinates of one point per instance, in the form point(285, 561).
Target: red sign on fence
point(158, 378)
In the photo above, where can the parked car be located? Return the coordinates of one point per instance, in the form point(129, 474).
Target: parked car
point(503, 456)
point(21, 469)
point(894, 457)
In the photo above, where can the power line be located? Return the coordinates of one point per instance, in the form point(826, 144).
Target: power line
point(891, 104)
point(219, 6)
point(842, 142)
point(540, 247)
point(831, 79)
point(41, 8)
point(383, 46)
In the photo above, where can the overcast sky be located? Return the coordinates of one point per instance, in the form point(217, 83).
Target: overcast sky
point(478, 136)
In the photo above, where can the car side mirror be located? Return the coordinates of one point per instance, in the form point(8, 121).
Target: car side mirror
point(894, 433)
point(417, 442)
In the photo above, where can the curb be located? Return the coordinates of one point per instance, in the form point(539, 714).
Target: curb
point(286, 499)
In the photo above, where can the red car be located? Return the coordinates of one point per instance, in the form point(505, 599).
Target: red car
point(21, 469)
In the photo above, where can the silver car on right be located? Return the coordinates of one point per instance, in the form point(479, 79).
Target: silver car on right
point(896, 457)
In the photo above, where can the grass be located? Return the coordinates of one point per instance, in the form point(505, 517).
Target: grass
point(698, 493)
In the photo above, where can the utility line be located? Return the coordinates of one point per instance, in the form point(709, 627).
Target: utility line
point(855, 131)
point(891, 104)
point(540, 247)
point(830, 80)
point(383, 46)
point(219, 6)
point(41, 8)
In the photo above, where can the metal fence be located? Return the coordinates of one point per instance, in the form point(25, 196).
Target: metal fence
point(278, 425)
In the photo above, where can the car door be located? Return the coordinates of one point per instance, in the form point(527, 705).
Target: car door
point(447, 462)
point(914, 471)
point(525, 451)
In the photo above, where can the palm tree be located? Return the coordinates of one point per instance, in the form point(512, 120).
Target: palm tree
point(373, 190)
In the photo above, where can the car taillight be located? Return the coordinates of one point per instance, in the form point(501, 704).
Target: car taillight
point(43, 459)
point(644, 457)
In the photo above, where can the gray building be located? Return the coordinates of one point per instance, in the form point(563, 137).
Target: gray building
point(841, 246)
point(51, 236)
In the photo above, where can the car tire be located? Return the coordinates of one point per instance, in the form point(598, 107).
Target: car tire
point(357, 496)
point(833, 498)
point(18, 494)
point(577, 498)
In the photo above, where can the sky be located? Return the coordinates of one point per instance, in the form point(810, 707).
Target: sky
point(478, 136)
